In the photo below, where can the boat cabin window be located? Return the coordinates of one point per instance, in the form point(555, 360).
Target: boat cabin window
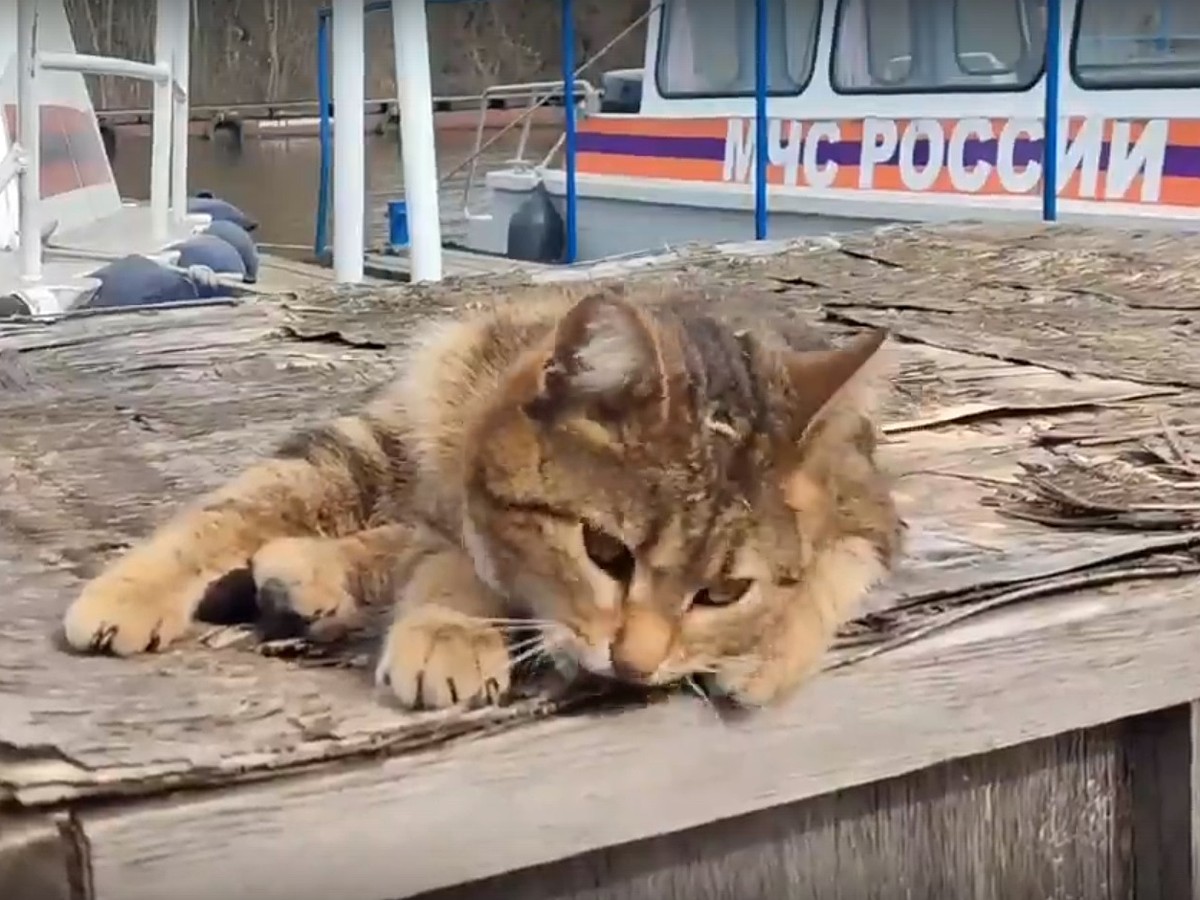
point(922, 46)
point(706, 47)
point(1136, 44)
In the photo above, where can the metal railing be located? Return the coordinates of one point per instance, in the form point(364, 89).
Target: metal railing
point(169, 74)
point(537, 94)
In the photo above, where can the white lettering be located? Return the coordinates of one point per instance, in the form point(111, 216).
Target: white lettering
point(739, 150)
point(923, 178)
point(795, 147)
point(1147, 157)
point(785, 154)
point(1082, 155)
point(878, 145)
point(816, 175)
point(968, 180)
point(1014, 180)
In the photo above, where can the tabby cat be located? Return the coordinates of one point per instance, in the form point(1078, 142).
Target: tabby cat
point(659, 496)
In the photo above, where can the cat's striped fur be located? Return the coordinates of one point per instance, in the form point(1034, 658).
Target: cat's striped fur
point(660, 496)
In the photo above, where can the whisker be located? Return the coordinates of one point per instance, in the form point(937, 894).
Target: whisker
point(526, 643)
point(539, 649)
point(514, 625)
point(695, 688)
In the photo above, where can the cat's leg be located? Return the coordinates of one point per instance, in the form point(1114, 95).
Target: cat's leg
point(326, 481)
point(446, 644)
point(318, 586)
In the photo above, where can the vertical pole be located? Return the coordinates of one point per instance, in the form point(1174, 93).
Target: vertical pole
point(181, 75)
point(761, 158)
point(1050, 113)
point(29, 128)
point(161, 125)
point(349, 136)
point(321, 235)
point(571, 142)
point(410, 31)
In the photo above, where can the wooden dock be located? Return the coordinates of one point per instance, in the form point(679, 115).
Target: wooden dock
point(1013, 717)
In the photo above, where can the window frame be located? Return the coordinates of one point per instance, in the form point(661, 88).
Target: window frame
point(1026, 43)
point(1073, 67)
point(887, 91)
point(660, 60)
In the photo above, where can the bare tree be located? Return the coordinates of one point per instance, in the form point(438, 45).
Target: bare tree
point(257, 51)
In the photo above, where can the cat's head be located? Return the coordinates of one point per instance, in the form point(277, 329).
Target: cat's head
point(670, 498)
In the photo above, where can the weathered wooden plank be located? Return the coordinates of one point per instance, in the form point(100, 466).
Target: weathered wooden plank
point(567, 786)
point(1037, 820)
point(1194, 795)
point(41, 858)
point(112, 420)
point(119, 418)
point(1157, 756)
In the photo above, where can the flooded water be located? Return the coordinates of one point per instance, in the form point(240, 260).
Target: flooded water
point(276, 180)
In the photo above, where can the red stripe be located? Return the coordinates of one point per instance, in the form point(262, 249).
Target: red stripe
point(72, 154)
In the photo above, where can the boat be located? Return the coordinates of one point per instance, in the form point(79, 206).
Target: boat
point(876, 112)
point(68, 240)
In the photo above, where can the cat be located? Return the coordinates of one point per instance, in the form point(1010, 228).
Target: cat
point(659, 496)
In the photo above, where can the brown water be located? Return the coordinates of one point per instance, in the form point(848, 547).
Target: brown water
point(276, 180)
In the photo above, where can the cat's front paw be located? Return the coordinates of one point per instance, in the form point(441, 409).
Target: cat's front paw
point(756, 684)
point(303, 588)
point(121, 616)
point(435, 657)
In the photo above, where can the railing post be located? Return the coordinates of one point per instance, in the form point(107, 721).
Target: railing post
point(1050, 111)
point(29, 128)
point(160, 139)
point(181, 96)
point(410, 30)
point(325, 136)
point(349, 155)
point(761, 131)
point(569, 152)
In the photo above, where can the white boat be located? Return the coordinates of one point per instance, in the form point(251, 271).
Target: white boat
point(882, 111)
point(67, 239)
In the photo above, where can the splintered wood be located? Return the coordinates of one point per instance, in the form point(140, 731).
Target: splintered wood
point(1044, 432)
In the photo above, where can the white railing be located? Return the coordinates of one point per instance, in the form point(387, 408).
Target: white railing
point(169, 74)
point(537, 94)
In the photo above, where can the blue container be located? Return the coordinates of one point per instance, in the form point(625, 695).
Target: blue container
point(397, 211)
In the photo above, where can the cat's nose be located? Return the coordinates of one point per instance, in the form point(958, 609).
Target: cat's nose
point(627, 671)
point(641, 645)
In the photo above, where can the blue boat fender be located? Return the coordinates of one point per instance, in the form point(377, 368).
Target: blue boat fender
point(238, 238)
point(210, 251)
point(536, 232)
point(220, 209)
point(137, 281)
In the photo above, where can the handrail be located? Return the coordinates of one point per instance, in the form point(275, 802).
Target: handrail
point(169, 75)
point(91, 64)
point(538, 93)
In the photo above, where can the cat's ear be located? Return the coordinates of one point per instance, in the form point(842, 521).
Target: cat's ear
point(605, 357)
point(818, 379)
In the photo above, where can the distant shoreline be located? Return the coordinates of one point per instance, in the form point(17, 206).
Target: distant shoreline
point(307, 123)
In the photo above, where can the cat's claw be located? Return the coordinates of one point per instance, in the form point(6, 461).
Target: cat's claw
point(435, 657)
point(115, 618)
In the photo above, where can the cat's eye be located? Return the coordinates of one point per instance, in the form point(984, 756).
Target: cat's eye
point(608, 553)
point(726, 593)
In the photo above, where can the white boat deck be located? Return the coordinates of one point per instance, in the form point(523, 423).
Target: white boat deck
point(128, 230)
point(71, 255)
